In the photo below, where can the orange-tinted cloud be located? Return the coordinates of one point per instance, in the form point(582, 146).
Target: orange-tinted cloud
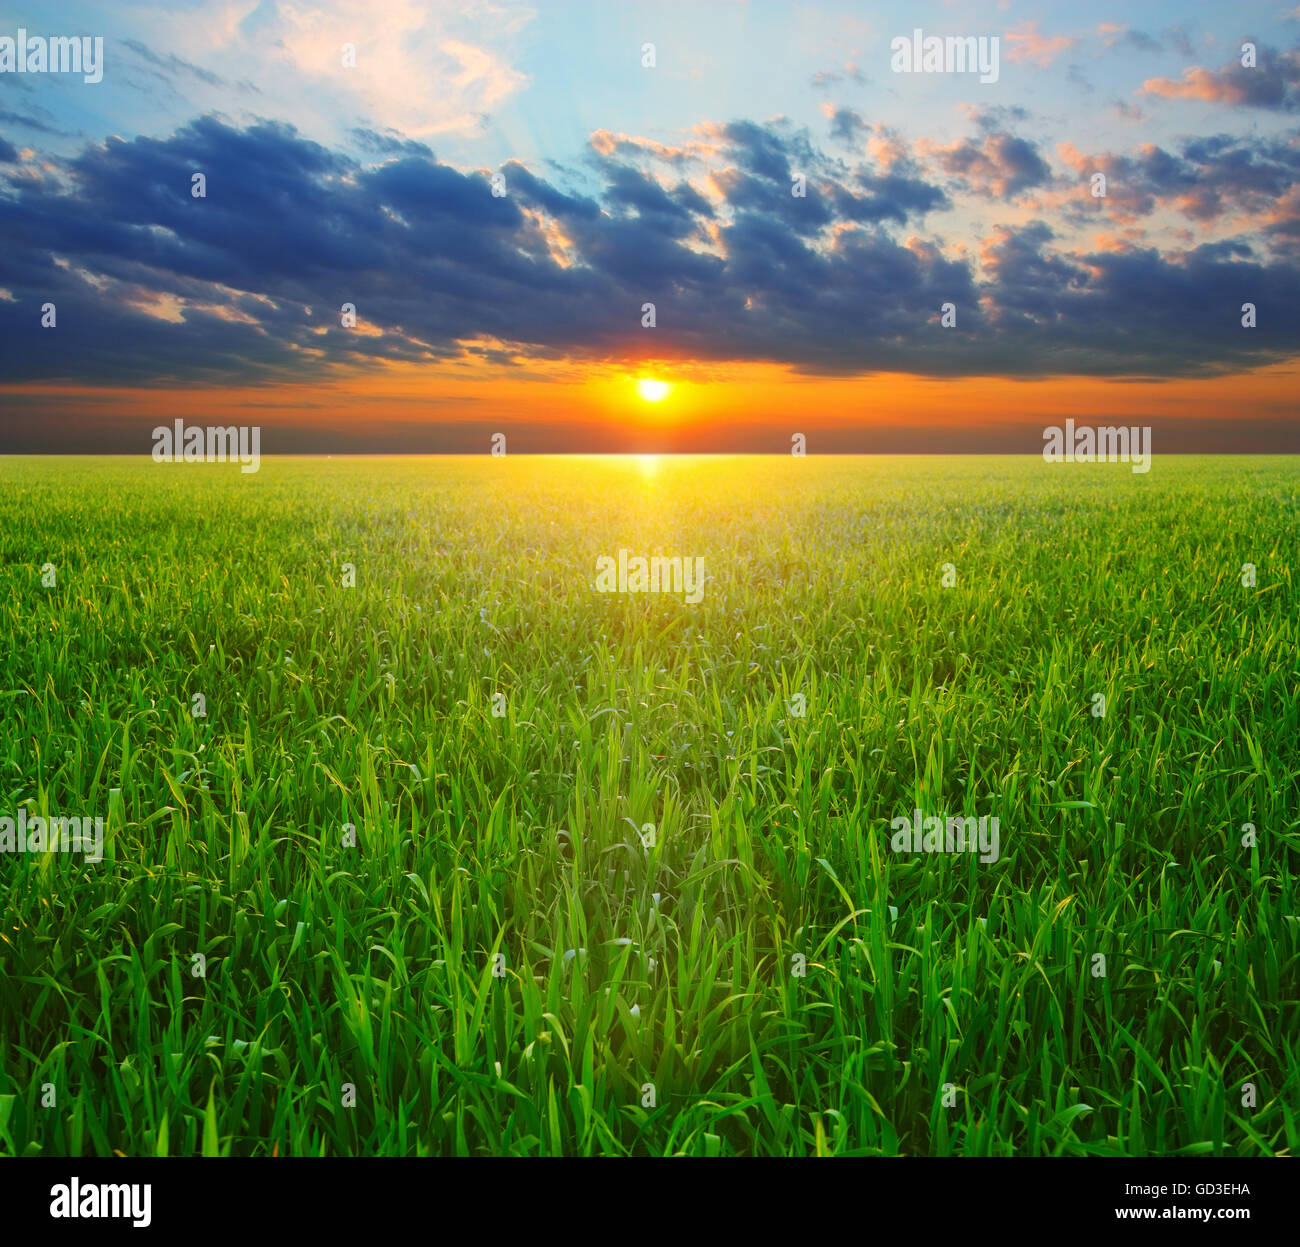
point(1272, 83)
point(1030, 47)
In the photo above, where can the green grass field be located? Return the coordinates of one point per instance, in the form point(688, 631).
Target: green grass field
point(650, 999)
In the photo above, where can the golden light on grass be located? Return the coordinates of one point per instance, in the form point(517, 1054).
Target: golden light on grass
point(651, 390)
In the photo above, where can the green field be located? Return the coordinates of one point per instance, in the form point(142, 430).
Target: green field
point(650, 999)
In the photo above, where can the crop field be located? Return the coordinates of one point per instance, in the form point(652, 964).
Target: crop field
point(416, 841)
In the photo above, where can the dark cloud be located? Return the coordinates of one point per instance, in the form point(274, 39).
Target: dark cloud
point(171, 66)
point(1207, 179)
point(846, 125)
point(542, 195)
point(390, 143)
point(1131, 40)
point(153, 285)
point(1129, 312)
point(888, 197)
point(1002, 166)
point(29, 122)
point(995, 117)
point(1140, 41)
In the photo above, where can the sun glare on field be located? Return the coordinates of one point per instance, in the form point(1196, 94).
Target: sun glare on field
point(651, 390)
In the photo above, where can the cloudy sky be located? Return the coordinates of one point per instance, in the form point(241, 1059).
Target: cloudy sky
point(620, 183)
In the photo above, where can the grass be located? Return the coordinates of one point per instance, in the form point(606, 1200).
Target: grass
point(672, 960)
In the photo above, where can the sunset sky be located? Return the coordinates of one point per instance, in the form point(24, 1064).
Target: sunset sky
point(521, 312)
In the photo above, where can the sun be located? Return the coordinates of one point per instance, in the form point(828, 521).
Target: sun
point(651, 390)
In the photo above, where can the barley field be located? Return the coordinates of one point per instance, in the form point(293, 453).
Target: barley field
point(415, 843)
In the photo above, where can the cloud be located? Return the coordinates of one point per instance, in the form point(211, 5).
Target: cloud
point(1209, 180)
point(1001, 166)
point(153, 286)
point(608, 144)
point(1030, 47)
point(1273, 84)
point(830, 78)
point(170, 65)
point(29, 122)
point(420, 67)
point(846, 124)
point(1114, 34)
point(1127, 111)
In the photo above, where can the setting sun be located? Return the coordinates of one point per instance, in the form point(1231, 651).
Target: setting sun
point(652, 391)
